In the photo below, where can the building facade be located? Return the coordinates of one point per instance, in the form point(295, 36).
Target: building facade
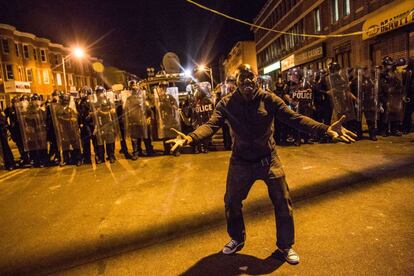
point(30, 64)
point(242, 52)
point(388, 23)
point(116, 76)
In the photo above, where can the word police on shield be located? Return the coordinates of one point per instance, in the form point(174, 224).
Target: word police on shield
point(302, 95)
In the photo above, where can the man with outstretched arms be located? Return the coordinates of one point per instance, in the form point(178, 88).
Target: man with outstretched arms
point(250, 112)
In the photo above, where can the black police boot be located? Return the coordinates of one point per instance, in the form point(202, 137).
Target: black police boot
point(372, 131)
point(395, 129)
point(134, 155)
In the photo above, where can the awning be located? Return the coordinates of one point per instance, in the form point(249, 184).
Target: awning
point(17, 86)
point(390, 17)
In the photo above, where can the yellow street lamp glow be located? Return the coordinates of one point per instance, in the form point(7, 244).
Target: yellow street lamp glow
point(202, 67)
point(78, 52)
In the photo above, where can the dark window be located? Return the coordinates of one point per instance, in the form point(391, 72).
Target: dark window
point(26, 51)
point(43, 55)
point(34, 54)
point(5, 45)
point(9, 72)
point(17, 49)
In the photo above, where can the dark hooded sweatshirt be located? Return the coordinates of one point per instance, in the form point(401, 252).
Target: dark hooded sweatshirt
point(252, 124)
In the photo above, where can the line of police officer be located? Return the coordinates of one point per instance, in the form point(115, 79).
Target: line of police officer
point(62, 129)
point(383, 96)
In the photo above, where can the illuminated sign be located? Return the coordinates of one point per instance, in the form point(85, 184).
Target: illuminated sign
point(272, 67)
point(310, 55)
point(391, 17)
point(288, 62)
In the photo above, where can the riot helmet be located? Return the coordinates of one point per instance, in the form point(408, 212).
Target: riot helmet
point(163, 84)
point(294, 75)
point(334, 67)
point(387, 60)
point(14, 100)
point(231, 79)
point(85, 91)
point(64, 99)
point(132, 84)
point(100, 89)
point(35, 97)
point(401, 62)
point(24, 98)
point(410, 64)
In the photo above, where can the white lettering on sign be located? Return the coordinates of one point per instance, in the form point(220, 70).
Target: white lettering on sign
point(204, 108)
point(302, 95)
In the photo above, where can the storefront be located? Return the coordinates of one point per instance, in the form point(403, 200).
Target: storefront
point(312, 58)
point(390, 32)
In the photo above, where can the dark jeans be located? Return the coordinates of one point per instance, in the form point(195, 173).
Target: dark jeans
point(240, 179)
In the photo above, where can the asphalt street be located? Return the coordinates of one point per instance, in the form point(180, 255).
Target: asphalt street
point(164, 215)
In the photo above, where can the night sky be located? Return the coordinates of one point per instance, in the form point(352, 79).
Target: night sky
point(133, 35)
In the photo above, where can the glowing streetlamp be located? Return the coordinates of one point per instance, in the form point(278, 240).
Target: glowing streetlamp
point(187, 73)
point(204, 68)
point(76, 52)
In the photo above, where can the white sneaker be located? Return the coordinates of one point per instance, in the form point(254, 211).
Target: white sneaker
point(290, 256)
point(232, 247)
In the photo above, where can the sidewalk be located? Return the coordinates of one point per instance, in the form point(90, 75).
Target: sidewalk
point(54, 218)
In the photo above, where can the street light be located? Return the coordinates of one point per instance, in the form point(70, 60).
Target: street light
point(187, 73)
point(78, 53)
point(204, 68)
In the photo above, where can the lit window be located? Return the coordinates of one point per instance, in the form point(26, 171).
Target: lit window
point(39, 77)
point(45, 76)
point(29, 74)
point(9, 72)
point(317, 20)
point(335, 10)
point(26, 51)
point(5, 45)
point(347, 7)
point(20, 71)
point(58, 79)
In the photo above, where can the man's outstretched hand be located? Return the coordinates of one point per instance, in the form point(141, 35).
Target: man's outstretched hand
point(180, 141)
point(340, 134)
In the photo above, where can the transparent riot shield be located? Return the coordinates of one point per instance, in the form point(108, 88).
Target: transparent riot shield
point(360, 94)
point(2, 162)
point(393, 91)
point(32, 122)
point(367, 95)
point(65, 123)
point(341, 97)
point(105, 121)
point(166, 112)
point(135, 115)
point(203, 104)
point(377, 75)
